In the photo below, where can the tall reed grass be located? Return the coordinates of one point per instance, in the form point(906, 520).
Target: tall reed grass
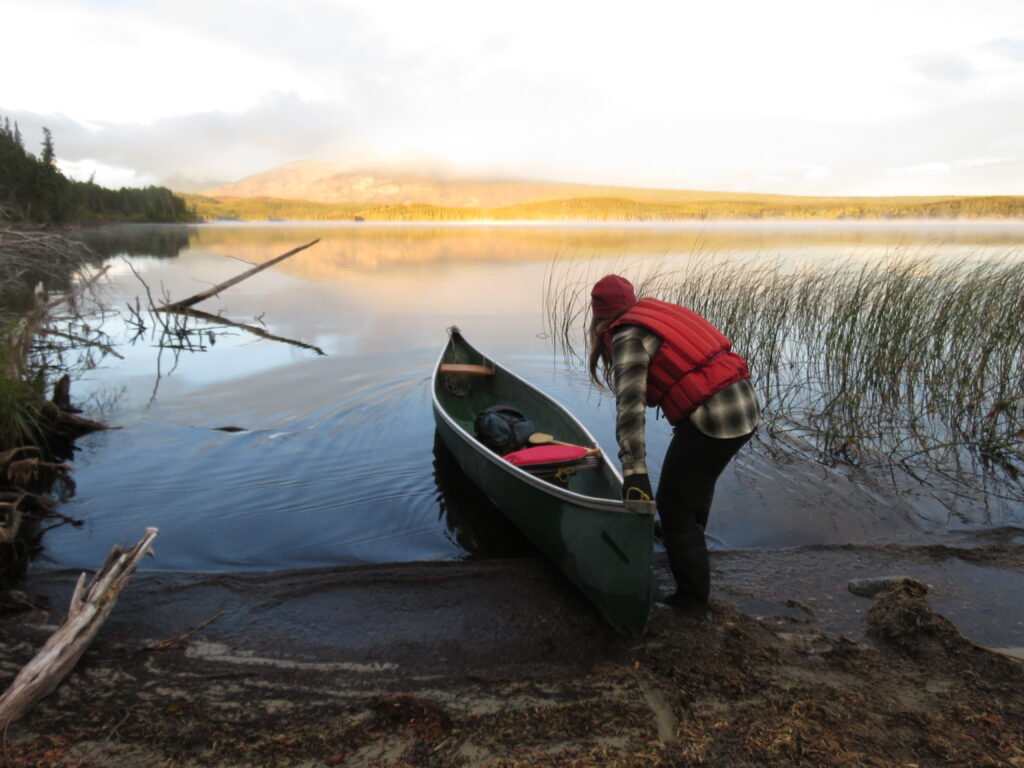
point(908, 362)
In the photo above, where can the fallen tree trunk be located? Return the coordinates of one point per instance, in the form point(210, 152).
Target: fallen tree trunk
point(177, 306)
point(90, 606)
point(263, 334)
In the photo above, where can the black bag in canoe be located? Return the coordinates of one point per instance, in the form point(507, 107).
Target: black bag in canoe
point(503, 429)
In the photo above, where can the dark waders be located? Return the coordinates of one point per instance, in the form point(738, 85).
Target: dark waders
point(686, 489)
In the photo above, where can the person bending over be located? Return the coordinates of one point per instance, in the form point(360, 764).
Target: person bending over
point(657, 354)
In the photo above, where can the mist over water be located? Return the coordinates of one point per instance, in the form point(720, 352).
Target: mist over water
point(336, 462)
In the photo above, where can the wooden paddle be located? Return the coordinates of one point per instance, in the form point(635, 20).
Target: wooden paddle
point(542, 438)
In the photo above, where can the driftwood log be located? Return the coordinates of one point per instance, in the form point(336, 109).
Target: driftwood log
point(178, 306)
point(254, 330)
point(90, 606)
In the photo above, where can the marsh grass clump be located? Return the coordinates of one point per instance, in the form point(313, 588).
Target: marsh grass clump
point(915, 363)
point(50, 316)
point(28, 259)
point(26, 416)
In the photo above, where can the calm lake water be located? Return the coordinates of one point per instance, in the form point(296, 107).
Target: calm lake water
point(337, 461)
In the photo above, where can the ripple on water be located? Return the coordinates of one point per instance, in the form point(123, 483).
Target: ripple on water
point(338, 465)
point(323, 474)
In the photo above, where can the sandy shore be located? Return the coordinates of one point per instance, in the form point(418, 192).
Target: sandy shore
point(499, 663)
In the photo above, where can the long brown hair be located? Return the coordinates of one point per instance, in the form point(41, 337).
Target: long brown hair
point(599, 355)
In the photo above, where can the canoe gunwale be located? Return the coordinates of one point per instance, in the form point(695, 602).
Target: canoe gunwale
point(571, 497)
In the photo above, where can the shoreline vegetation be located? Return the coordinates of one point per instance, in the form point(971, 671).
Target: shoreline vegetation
point(34, 193)
point(615, 209)
point(905, 364)
point(49, 330)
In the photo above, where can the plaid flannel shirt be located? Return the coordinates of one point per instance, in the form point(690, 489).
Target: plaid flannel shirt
point(732, 412)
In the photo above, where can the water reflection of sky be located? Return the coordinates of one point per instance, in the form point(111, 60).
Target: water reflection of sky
point(337, 464)
point(349, 314)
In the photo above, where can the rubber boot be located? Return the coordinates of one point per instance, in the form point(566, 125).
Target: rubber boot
point(688, 560)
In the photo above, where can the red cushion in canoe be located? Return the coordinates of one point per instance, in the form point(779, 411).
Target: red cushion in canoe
point(546, 454)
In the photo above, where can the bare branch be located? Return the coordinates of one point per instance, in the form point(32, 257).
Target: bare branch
point(186, 303)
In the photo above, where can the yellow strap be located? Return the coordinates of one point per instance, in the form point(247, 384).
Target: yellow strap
point(640, 495)
point(563, 474)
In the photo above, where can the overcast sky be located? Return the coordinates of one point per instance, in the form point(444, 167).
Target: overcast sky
point(816, 97)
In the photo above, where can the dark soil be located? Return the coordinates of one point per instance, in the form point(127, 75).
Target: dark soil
point(500, 665)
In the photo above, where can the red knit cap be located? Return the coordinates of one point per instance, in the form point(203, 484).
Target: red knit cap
point(610, 294)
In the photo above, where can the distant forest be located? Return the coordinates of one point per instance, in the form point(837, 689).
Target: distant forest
point(611, 209)
point(33, 191)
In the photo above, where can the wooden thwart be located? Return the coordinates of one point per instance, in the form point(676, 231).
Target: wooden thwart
point(476, 370)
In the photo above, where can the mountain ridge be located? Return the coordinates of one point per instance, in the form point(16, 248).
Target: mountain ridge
point(315, 190)
point(334, 182)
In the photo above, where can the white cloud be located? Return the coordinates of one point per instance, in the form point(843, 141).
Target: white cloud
point(817, 173)
point(103, 174)
point(211, 146)
point(944, 67)
point(924, 169)
point(804, 96)
point(129, 67)
point(1011, 48)
point(980, 162)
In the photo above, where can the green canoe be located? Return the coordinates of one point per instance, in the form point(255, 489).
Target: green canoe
point(578, 521)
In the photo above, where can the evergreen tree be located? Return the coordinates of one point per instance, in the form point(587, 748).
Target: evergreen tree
point(48, 158)
point(34, 191)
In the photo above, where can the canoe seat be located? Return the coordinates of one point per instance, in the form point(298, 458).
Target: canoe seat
point(555, 463)
point(549, 455)
point(476, 370)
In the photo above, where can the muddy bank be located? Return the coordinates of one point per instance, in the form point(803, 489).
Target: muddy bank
point(500, 664)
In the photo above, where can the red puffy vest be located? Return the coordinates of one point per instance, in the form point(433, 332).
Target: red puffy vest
point(693, 362)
